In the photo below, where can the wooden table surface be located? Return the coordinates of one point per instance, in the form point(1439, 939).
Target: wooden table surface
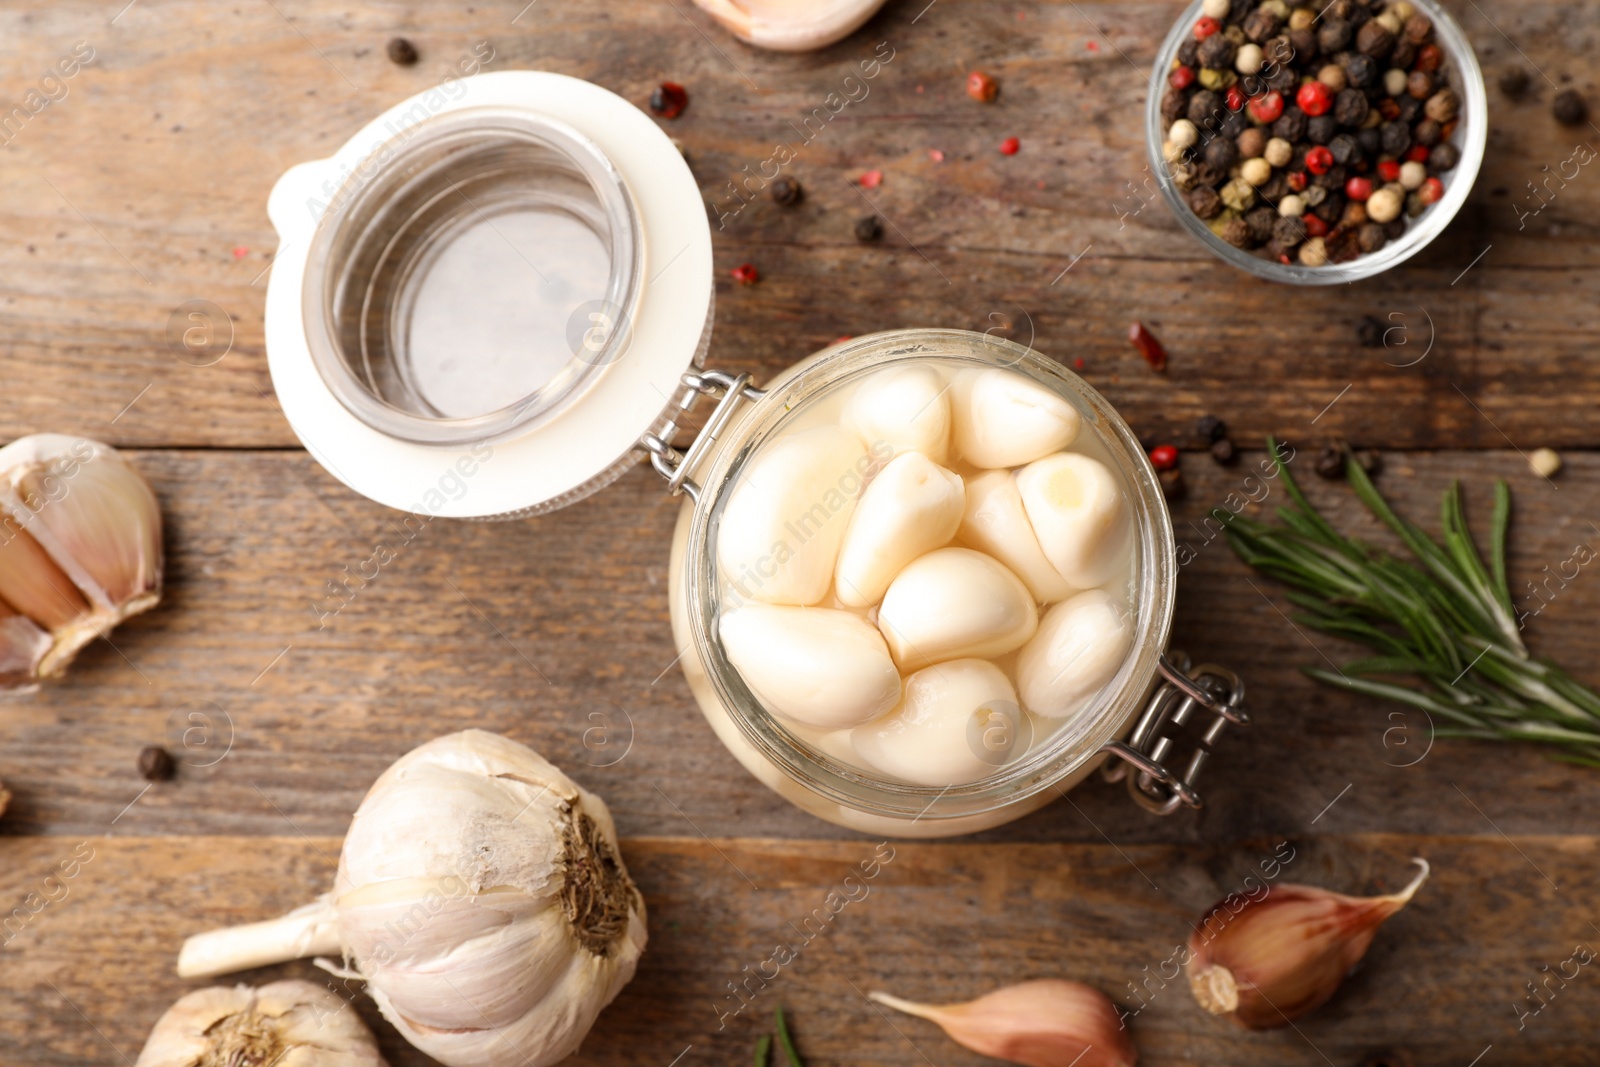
point(145, 186)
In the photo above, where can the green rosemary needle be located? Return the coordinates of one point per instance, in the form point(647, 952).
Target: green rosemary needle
point(1444, 618)
point(764, 1050)
point(786, 1041)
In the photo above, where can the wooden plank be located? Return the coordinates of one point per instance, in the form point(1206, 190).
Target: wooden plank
point(93, 971)
point(145, 187)
point(531, 628)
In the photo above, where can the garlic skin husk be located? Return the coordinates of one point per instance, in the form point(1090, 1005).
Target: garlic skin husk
point(994, 522)
point(957, 722)
point(818, 666)
point(482, 897)
point(954, 603)
point(1046, 1022)
point(286, 1024)
point(1079, 515)
point(1280, 956)
point(779, 536)
point(1077, 649)
point(80, 551)
point(791, 25)
point(907, 408)
point(1002, 419)
point(913, 506)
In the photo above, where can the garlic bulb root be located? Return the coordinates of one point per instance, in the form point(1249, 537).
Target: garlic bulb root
point(285, 1024)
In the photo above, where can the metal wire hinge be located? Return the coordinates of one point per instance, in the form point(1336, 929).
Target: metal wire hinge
point(1218, 691)
point(674, 465)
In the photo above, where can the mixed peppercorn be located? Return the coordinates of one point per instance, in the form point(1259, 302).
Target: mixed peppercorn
point(1310, 132)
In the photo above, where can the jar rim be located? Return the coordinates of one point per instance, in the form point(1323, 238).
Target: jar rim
point(1073, 746)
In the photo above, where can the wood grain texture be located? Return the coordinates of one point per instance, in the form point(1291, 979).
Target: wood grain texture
point(145, 187)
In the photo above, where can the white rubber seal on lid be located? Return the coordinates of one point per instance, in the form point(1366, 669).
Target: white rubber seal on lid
point(564, 456)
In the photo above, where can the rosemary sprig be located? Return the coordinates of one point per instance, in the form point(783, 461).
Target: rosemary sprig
point(1444, 619)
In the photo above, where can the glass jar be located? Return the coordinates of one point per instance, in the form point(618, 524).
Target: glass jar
point(849, 796)
point(423, 367)
point(1471, 136)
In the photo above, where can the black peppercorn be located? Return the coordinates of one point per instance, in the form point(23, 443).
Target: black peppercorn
point(1222, 153)
point(155, 764)
point(1410, 109)
point(1330, 462)
point(1371, 460)
point(1443, 157)
point(1331, 208)
point(1350, 107)
point(1291, 125)
point(1514, 82)
point(1217, 52)
point(1276, 188)
point(1374, 39)
point(1211, 428)
point(1233, 125)
point(1371, 236)
point(1419, 83)
point(1320, 130)
point(1361, 70)
point(1418, 28)
point(1288, 232)
point(1223, 452)
point(869, 229)
point(1283, 79)
point(1569, 107)
point(1174, 105)
point(1204, 201)
point(1237, 233)
point(1404, 54)
point(787, 192)
point(1395, 229)
point(1261, 221)
point(1370, 140)
point(1203, 107)
point(1189, 52)
point(401, 52)
point(1251, 142)
point(1304, 41)
point(1395, 137)
point(1370, 332)
point(1172, 486)
point(1334, 35)
point(1345, 150)
point(1429, 133)
point(1261, 25)
point(1332, 180)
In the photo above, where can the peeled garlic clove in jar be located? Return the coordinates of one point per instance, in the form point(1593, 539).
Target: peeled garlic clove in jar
point(817, 666)
point(292, 1023)
point(80, 551)
point(956, 723)
point(791, 25)
point(779, 536)
point(1079, 515)
point(912, 506)
point(994, 522)
point(1077, 649)
point(906, 408)
point(954, 603)
point(1002, 419)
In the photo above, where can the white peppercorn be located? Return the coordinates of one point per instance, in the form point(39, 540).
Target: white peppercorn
point(1256, 171)
point(1391, 22)
point(1217, 9)
point(1291, 207)
point(1183, 133)
point(1394, 81)
point(1302, 18)
point(1544, 462)
point(1403, 9)
point(1277, 7)
point(1384, 205)
point(1278, 152)
point(1314, 253)
point(1333, 76)
point(1248, 59)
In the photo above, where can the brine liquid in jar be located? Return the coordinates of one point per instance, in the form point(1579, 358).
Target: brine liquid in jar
point(927, 572)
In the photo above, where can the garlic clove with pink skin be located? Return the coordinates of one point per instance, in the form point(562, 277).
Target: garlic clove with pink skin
point(80, 551)
point(791, 25)
point(1046, 1022)
point(1284, 954)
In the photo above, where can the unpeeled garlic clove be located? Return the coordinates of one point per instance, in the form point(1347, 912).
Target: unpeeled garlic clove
point(956, 723)
point(913, 506)
point(1277, 957)
point(291, 1024)
point(817, 666)
point(80, 551)
point(791, 25)
point(1047, 1022)
point(954, 603)
point(1077, 649)
point(1079, 515)
point(779, 537)
point(995, 522)
point(907, 408)
point(1003, 419)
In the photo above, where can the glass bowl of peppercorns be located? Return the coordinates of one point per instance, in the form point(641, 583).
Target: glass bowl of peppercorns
point(1316, 141)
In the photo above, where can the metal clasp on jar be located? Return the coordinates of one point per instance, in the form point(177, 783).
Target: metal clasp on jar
point(674, 465)
point(1158, 789)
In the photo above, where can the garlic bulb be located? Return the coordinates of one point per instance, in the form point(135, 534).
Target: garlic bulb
point(481, 896)
point(1047, 1022)
point(80, 551)
point(791, 25)
point(285, 1024)
point(1265, 961)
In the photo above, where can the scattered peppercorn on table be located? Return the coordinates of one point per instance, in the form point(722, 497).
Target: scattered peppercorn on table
point(308, 637)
